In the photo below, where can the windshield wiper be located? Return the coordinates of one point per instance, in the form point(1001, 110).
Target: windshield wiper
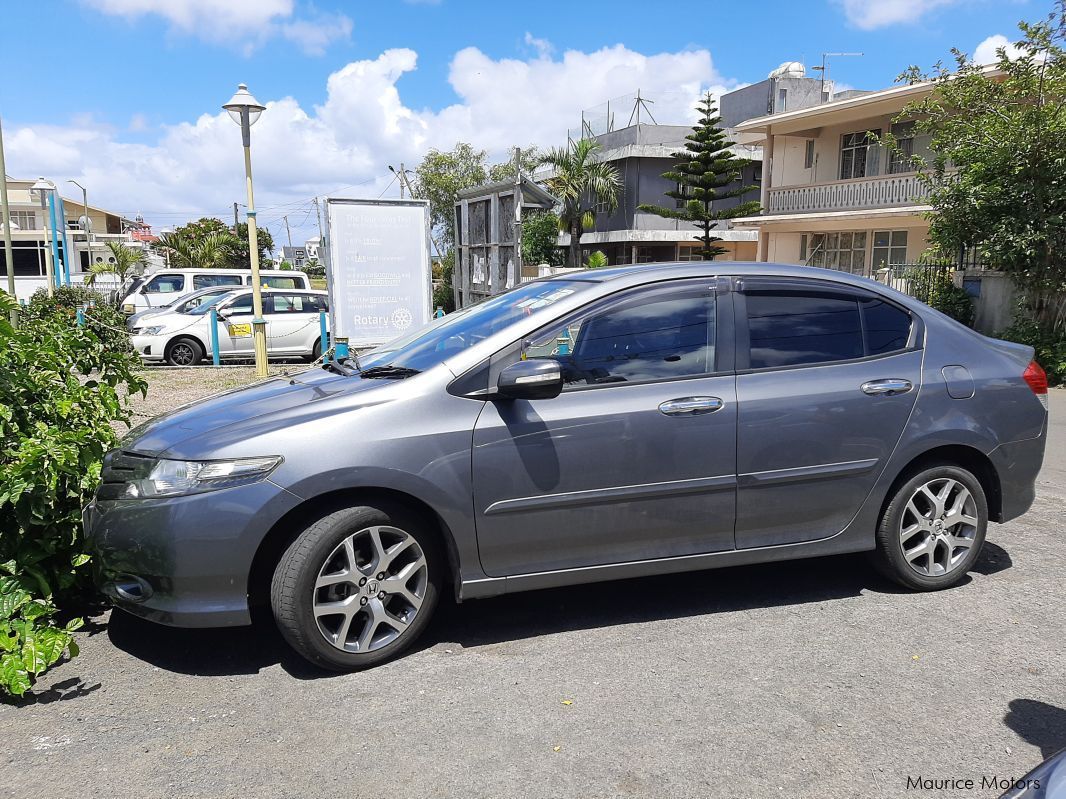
point(389, 370)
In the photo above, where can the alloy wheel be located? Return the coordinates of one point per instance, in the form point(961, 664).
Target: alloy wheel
point(182, 354)
point(370, 588)
point(938, 527)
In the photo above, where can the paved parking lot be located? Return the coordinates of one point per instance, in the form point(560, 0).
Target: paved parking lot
point(803, 679)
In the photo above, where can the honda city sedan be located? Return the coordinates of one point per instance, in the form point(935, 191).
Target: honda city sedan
point(599, 425)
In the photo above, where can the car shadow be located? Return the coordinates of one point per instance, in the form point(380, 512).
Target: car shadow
point(247, 650)
point(1038, 723)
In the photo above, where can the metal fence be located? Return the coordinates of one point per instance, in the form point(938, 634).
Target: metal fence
point(921, 281)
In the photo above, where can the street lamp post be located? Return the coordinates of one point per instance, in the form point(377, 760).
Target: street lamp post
point(88, 225)
point(245, 110)
point(42, 187)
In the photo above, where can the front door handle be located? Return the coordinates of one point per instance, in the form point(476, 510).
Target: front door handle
point(691, 406)
point(887, 387)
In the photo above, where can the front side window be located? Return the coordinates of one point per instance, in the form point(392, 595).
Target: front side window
point(208, 281)
point(243, 304)
point(660, 335)
point(165, 284)
point(858, 154)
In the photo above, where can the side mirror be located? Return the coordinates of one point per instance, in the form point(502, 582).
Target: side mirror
point(222, 313)
point(536, 379)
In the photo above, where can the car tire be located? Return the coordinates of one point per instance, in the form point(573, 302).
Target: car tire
point(932, 528)
point(184, 352)
point(384, 598)
point(316, 350)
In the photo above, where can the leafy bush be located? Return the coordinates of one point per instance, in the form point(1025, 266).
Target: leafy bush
point(61, 388)
point(935, 288)
point(540, 236)
point(596, 260)
point(444, 294)
point(1050, 345)
point(104, 320)
point(30, 643)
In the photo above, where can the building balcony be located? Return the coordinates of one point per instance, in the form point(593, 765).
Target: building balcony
point(887, 191)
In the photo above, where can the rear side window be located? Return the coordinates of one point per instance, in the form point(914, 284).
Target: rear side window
point(796, 329)
point(888, 328)
point(278, 282)
point(208, 281)
point(298, 303)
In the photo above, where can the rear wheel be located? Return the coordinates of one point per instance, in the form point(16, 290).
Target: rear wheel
point(316, 351)
point(933, 528)
point(184, 352)
point(357, 587)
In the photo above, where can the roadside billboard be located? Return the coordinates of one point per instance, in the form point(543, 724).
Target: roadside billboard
point(377, 264)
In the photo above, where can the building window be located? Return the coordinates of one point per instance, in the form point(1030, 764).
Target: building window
point(808, 154)
point(600, 207)
point(756, 173)
point(687, 252)
point(900, 158)
point(858, 154)
point(845, 252)
point(890, 248)
point(26, 220)
point(682, 190)
point(782, 101)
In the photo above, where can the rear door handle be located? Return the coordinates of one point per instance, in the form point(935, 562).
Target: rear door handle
point(887, 387)
point(691, 406)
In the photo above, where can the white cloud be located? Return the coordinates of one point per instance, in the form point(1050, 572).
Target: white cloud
point(362, 126)
point(542, 47)
point(251, 22)
point(870, 14)
point(986, 50)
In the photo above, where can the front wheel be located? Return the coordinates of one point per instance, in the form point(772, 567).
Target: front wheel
point(184, 352)
point(933, 528)
point(357, 587)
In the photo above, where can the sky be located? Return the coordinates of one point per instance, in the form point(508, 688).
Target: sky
point(126, 97)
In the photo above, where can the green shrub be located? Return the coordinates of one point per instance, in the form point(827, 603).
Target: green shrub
point(106, 321)
point(443, 293)
point(936, 289)
point(61, 388)
point(1050, 345)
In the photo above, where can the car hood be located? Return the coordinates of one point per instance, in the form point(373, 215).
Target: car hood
point(233, 416)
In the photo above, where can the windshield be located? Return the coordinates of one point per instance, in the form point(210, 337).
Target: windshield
point(191, 304)
point(209, 303)
point(438, 341)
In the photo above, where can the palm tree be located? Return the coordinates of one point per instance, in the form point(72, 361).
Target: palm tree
point(122, 262)
point(215, 250)
point(580, 183)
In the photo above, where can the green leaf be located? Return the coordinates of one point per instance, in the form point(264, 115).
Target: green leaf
point(13, 677)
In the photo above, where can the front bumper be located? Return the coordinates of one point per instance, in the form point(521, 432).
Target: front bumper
point(190, 557)
point(150, 348)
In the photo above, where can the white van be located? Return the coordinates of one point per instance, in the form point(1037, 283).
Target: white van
point(168, 285)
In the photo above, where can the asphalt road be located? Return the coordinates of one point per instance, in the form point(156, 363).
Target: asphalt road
point(804, 679)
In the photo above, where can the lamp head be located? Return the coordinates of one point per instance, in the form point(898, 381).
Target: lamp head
point(243, 100)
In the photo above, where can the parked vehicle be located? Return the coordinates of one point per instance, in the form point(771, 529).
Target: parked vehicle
point(1046, 781)
point(183, 338)
point(167, 285)
point(598, 425)
point(183, 305)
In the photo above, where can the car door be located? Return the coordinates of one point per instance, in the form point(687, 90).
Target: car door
point(827, 376)
point(235, 326)
point(292, 322)
point(635, 459)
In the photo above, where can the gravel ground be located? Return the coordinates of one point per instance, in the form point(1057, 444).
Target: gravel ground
point(805, 679)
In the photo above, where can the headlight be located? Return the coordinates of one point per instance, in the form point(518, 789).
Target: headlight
point(155, 330)
point(144, 478)
point(129, 307)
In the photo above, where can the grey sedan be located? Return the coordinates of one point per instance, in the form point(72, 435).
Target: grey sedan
point(595, 426)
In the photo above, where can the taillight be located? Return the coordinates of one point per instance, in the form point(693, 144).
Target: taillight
point(1035, 376)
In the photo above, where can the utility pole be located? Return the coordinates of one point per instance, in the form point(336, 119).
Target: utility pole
point(288, 233)
point(401, 176)
point(402, 180)
point(235, 219)
point(9, 257)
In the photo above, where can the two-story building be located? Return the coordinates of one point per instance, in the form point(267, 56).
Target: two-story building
point(86, 241)
point(831, 195)
point(642, 153)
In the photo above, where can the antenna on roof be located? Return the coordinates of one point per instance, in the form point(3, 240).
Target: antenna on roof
point(824, 69)
point(638, 104)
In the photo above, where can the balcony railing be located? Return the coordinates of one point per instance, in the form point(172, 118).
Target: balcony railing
point(847, 195)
